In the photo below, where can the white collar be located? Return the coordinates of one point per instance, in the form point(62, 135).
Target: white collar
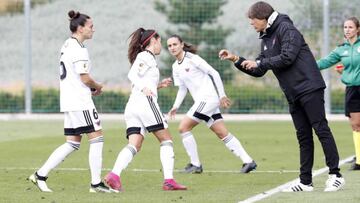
point(271, 19)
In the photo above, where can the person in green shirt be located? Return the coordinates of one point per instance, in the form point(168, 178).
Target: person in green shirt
point(348, 54)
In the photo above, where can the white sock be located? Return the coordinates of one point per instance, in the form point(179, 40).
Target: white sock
point(58, 155)
point(234, 145)
point(167, 158)
point(191, 148)
point(124, 158)
point(95, 159)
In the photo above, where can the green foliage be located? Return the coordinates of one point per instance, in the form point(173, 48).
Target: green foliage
point(196, 20)
point(168, 96)
point(10, 103)
point(201, 11)
point(244, 100)
point(111, 102)
point(256, 100)
point(45, 100)
point(337, 101)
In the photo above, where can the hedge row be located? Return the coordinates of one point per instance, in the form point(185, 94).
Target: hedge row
point(244, 100)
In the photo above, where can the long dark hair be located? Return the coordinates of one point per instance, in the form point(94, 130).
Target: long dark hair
point(187, 47)
point(77, 19)
point(356, 22)
point(139, 40)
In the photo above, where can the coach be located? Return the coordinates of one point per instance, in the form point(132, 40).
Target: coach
point(285, 52)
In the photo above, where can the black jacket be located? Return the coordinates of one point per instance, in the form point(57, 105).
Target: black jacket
point(285, 52)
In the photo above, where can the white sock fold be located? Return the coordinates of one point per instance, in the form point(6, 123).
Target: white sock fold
point(124, 158)
point(167, 158)
point(234, 145)
point(95, 159)
point(58, 155)
point(190, 146)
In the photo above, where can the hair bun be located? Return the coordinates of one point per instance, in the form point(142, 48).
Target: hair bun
point(72, 14)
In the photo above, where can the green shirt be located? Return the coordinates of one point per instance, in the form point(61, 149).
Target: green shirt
point(349, 56)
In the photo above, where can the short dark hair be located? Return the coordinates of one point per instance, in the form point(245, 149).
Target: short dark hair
point(260, 10)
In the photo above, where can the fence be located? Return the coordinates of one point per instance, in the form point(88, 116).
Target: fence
point(209, 24)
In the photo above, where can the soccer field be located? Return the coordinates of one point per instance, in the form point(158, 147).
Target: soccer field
point(25, 145)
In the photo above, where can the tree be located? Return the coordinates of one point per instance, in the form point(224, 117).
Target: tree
point(195, 20)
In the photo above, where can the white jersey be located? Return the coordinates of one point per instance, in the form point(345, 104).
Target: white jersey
point(144, 73)
point(142, 113)
point(74, 60)
point(196, 75)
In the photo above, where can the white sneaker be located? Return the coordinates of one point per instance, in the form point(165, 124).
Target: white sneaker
point(334, 183)
point(39, 181)
point(299, 187)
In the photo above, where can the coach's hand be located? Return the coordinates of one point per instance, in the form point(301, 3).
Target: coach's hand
point(248, 65)
point(225, 54)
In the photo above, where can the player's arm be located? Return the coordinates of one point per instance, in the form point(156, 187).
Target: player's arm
point(206, 68)
point(180, 96)
point(82, 67)
point(136, 74)
point(330, 60)
point(91, 83)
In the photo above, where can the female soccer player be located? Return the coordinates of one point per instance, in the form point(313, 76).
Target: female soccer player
point(76, 89)
point(142, 112)
point(191, 72)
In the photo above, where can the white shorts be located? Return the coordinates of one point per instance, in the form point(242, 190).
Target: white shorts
point(142, 114)
point(208, 112)
point(79, 122)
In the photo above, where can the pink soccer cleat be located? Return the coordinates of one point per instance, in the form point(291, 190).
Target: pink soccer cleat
point(170, 184)
point(113, 181)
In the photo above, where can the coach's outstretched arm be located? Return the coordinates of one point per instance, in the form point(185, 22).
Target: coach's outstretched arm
point(246, 66)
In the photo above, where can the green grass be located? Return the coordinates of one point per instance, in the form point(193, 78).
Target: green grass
point(27, 144)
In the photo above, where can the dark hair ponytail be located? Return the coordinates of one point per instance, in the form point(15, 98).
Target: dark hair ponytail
point(76, 19)
point(187, 47)
point(139, 40)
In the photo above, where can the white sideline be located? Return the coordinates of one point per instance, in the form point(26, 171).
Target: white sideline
point(120, 117)
point(278, 189)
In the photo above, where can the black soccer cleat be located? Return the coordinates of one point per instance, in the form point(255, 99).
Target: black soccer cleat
point(247, 167)
point(190, 168)
point(99, 188)
point(354, 167)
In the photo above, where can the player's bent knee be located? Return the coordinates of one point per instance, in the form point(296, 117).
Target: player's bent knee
point(138, 148)
point(183, 129)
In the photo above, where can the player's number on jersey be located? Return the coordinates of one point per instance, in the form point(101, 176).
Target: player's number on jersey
point(95, 114)
point(62, 70)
